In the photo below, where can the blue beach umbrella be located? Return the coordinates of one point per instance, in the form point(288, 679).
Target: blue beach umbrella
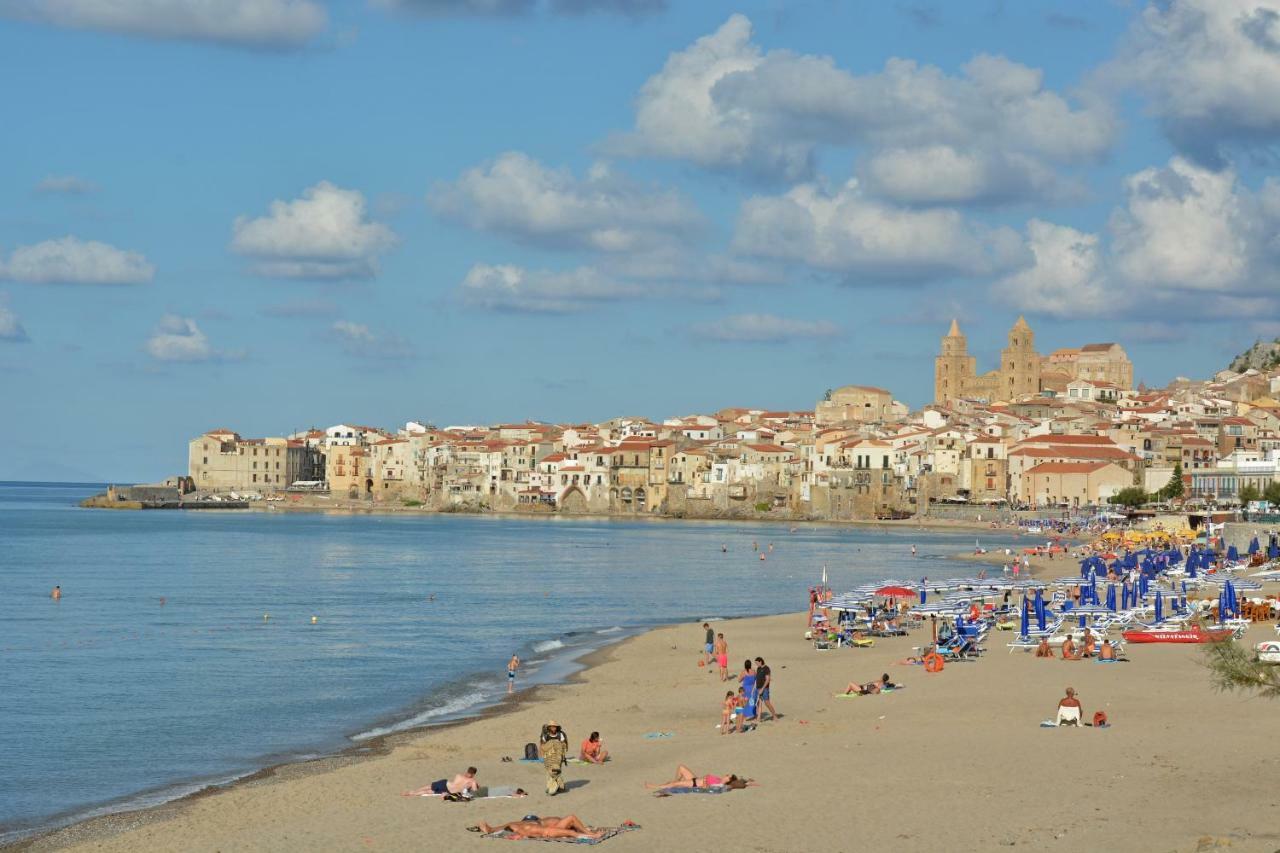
point(1253, 546)
point(1273, 551)
point(1143, 583)
point(1026, 616)
point(1232, 554)
point(1111, 597)
point(1159, 606)
point(924, 595)
point(1040, 615)
point(1193, 563)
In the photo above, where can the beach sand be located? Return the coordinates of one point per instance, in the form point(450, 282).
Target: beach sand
point(956, 761)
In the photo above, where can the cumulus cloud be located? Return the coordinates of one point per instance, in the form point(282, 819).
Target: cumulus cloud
point(66, 185)
point(764, 328)
point(249, 23)
point(1064, 280)
point(942, 175)
point(1211, 70)
point(322, 235)
point(505, 287)
point(179, 339)
point(848, 233)
point(11, 329)
point(358, 340)
point(503, 8)
point(722, 103)
point(517, 196)
point(1188, 242)
point(70, 260)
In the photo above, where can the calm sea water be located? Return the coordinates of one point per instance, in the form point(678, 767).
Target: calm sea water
point(110, 698)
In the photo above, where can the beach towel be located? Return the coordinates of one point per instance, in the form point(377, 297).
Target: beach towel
point(656, 735)
point(709, 789)
point(580, 761)
point(609, 832)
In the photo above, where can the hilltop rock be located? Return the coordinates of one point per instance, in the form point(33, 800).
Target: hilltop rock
point(1262, 356)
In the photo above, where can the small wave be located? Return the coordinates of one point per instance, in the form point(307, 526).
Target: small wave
point(547, 646)
point(455, 706)
point(615, 629)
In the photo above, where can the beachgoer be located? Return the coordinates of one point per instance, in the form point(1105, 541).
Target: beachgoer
point(462, 783)
point(1107, 652)
point(913, 550)
point(1069, 710)
point(546, 827)
point(512, 666)
point(709, 645)
point(1043, 650)
point(722, 656)
point(1089, 647)
point(56, 595)
point(1069, 651)
point(764, 680)
point(554, 745)
point(593, 749)
point(685, 778)
point(870, 687)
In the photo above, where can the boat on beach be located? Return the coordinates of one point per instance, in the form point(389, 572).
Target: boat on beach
point(1194, 634)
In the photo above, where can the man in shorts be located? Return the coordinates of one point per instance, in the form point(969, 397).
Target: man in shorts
point(512, 666)
point(764, 680)
point(463, 783)
point(709, 646)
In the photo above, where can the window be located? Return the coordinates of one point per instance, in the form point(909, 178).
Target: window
point(206, 460)
point(255, 478)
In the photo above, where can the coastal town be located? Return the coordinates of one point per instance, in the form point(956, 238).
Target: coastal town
point(1066, 430)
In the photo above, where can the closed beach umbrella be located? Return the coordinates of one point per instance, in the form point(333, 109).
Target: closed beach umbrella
point(1159, 606)
point(1143, 583)
point(1040, 609)
point(1273, 551)
point(1232, 554)
point(1111, 597)
point(1253, 546)
point(1193, 564)
point(1026, 616)
point(924, 595)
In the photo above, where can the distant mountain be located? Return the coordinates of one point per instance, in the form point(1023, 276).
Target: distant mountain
point(1261, 356)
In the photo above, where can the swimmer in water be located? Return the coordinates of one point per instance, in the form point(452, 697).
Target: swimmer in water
point(56, 595)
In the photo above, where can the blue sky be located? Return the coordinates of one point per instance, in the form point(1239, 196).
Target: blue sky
point(273, 214)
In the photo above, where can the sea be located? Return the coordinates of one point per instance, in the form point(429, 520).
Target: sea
point(191, 648)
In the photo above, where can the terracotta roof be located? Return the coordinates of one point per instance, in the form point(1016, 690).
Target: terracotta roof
point(767, 448)
point(1077, 452)
point(1068, 467)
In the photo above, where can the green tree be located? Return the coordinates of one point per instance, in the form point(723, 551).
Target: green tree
point(1132, 497)
point(1272, 493)
point(1249, 492)
point(1232, 668)
point(1173, 489)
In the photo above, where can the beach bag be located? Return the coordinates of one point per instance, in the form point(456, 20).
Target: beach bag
point(1099, 719)
point(530, 752)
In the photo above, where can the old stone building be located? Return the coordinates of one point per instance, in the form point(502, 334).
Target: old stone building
point(955, 371)
point(222, 461)
point(854, 404)
point(1092, 363)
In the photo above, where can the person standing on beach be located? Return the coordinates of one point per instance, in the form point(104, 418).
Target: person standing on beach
point(709, 644)
point(764, 680)
point(555, 750)
point(722, 657)
point(512, 666)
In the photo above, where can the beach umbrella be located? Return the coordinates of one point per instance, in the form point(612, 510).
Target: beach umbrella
point(1273, 551)
point(1143, 584)
point(894, 591)
point(1253, 546)
point(924, 595)
point(1159, 606)
point(1026, 617)
point(1039, 609)
point(1194, 562)
point(1232, 554)
point(1111, 597)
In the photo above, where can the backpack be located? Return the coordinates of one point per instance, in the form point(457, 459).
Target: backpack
point(1099, 719)
point(530, 752)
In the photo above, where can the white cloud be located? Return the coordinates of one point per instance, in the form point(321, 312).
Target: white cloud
point(502, 8)
point(518, 196)
point(511, 288)
point(358, 340)
point(70, 260)
point(66, 185)
point(1185, 227)
point(848, 233)
point(11, 329)
point(322, 235)
point(1189, 243)
point(179, 339)
point(1066, 278)
point(250, 23)
point(722, 103)
point(1211, 69)
point(764, 328)
point(939, 174)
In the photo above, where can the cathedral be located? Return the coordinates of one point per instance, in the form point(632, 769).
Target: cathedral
point(1023, 371)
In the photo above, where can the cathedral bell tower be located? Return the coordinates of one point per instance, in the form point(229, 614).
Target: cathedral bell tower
point(953, 369)
point(1020, 363)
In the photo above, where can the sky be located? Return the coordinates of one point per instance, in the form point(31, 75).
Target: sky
point(269, 215)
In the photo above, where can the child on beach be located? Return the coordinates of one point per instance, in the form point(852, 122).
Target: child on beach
point(728, 710)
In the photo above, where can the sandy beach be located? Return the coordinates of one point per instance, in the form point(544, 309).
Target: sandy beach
point(955, 758)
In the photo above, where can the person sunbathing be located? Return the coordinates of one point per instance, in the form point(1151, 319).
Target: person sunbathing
point(871, 687)
point(1069, 650)
point(685, 778)
point(1043, 650)
point(546, 827)
point(1107, 652)
point(1069, 709)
